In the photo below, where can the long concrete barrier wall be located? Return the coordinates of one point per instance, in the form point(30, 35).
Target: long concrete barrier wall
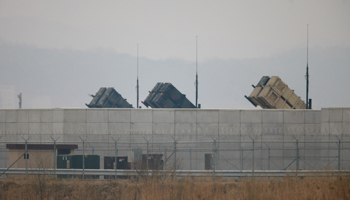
point(237, 139)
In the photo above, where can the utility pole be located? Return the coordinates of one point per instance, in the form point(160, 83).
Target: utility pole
point(196, 72)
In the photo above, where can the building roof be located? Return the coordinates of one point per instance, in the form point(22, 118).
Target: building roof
point(41, 146)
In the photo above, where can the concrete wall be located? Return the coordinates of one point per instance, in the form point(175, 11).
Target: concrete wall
point(187, 124)
point(230, 129)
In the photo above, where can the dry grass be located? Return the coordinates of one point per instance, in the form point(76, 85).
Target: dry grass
point(188, 188)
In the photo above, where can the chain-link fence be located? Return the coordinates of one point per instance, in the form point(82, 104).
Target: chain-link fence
point(206, 153)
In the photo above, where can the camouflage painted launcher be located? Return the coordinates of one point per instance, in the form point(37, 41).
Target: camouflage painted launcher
point(108, 98)
point(273, 93)
point(165, 95)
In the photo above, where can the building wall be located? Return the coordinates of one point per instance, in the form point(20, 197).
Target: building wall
point(44, 158)
point(133, 126)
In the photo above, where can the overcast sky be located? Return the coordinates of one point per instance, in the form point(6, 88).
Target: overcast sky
point(167, 30)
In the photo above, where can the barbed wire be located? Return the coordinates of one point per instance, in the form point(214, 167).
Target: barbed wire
point(197, 130)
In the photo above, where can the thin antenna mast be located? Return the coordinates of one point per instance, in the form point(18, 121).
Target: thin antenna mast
point(196, 73)
point(307, 69)
point(20, 100)
point(137, 82)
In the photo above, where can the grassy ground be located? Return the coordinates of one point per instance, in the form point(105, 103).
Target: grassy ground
point(45, 187)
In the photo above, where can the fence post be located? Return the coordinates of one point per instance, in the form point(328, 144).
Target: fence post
point(54, 154)
point(83, 157)
point(54, 157)
point(147, 157)
point(269, 159)
point(339, 145)
point(147, 141)
point(190, 158)
point(214, 156)
point(175, 150)
point(253, 159)
point(241, 157)
point(115, 157)
point(268, 156)
point(166, 158)
point(297, 149)
point(26, 156)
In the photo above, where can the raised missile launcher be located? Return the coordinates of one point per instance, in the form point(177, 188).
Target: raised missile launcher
point(108, 98)
point(273, 93)
point(165, 95)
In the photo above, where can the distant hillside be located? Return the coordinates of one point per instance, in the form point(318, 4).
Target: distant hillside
point(65, 77)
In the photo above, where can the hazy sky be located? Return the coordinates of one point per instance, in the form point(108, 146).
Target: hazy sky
point(55, 52)
point(167, 29)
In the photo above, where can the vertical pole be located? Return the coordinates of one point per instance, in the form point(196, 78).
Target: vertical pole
point(196, 72)
point(175, 155)
point(241, 158)
point(147, 158)
point(26, 156)
point(137, 82)
point(268, 167)
point(166, 158)
point(297, 150)
point(307, 70)
point(307, 87)
point(190, 158)
point(115, 159)
point(20, 100)
point(54, 156)
point(268, 156)
point(214, 157)
point(339, 154)
point(83, 159)
point(253, 155)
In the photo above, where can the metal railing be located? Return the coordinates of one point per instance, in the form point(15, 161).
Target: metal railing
point(179, 173)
